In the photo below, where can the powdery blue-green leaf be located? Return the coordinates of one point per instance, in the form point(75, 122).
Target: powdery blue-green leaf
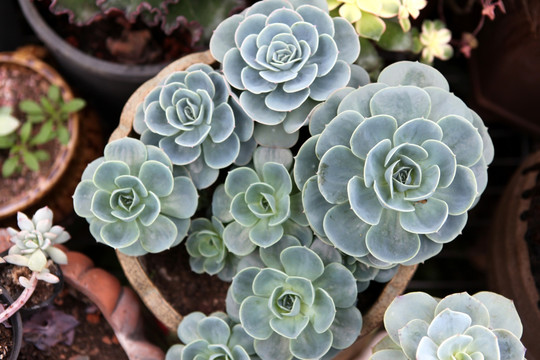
point(410, 336)
point(315, 205)
point(120, 234)
point(412, 73)
point(157, 178)
point(460, 194)
point(346, 41)
point(346, 231)
point(127, 150)
point(82, 198)
point(158, 236)
point(339, 283)
point(387, 241)
point(509, 345)
point(267, 280)
point(326, 111)
point(214, 330)
point(323, 311)
point(182, 201)
point(447, 324)
point(427, 217)
point(237, 240)
point(310, 344)
point(450, 230)
point(389, 355)
point(417, 131)
point(289, 327)
point(370, 132)
point(336, 168)
point(502, 312)
point(463, 302)
point(303, 287)
point(415, 305)
point(462, 138)
point(107, 172)
point(453, 345)
point(364, 201)
point(346, 327)
point(223, 154)
point(241, 212)
point(223, 38)
point(255, 317)
point(484, 342)
point(241, 287)
point(359, 99)
point(403, 103)
point(337, 78)
point(274, 135)
point(275, 347)
point(306, 162)
point(238, 181)
point(299, 261)
point(277, 176)
point(264, 235)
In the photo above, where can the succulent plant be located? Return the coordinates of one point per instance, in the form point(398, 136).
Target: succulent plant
point(435, 41)
point(195, 119)
point(133, 201)
point(296, 306)
point(393, 167)
point(460, 326)
point(8, 123)
point(211, 337)
point(284, 56)
point(259, 208)
point(207, 250)
point(34, 243)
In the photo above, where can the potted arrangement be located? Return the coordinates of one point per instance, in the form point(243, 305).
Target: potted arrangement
point(135, 33)
point(383, 175)
point(39, 130)
point(50, 329)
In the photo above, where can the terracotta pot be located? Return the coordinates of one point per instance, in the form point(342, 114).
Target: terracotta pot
point(16, 325)
point(510, 269)
point(151, 295)
point(33, 194)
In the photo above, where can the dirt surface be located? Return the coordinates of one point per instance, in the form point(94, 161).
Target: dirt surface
point(93, 338)
point(185, 290)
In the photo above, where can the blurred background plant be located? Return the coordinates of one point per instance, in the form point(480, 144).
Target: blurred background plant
point(402, 29)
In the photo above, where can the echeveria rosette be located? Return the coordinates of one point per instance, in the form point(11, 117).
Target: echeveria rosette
point(460, 326)
point(34, 243)
point(207, 250)
point(393, 167)
point(284, 56)
point(133, 201)
point(296, 306)
point(197, 121)
point(259, 208)
point(211, 337)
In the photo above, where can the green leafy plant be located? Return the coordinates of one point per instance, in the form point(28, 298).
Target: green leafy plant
point(296, 306)
point(45, 121)
point(132, 199)
point(211, 337)
point(393, 167)
point(33, 247)
point(460, 326)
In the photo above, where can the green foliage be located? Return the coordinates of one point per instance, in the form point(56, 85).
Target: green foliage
point(460, 326)
point(46, 120)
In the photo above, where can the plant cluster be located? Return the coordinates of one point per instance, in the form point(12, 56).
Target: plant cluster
point(45, 121)
point(384, 178)
point(460, 326)
point(34, 247)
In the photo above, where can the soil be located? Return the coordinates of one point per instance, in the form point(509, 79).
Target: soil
point(185, 290)
point(115, 39)
point(532, 236)
point(6, 342)
point(19, 83)
point(9, 279)
point(93, 339)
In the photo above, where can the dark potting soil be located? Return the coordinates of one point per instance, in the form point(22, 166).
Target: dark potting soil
point(532, 217)
point(93, 338)
point(114, 39)
point(19, 83)
point(9, 279)
point(185, 290)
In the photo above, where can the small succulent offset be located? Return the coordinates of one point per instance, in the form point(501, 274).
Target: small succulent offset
point(211, 337)
point(460, 326)
point(207, 250)
point(296, 306)
point(33, 247)
point(258, 207)
point(435, 41)
point(132, 199)
point(196, 120)
point(393, 167)
point(284, 56)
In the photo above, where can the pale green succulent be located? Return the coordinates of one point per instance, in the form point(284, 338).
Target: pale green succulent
point(435, 41)
point(259, 207)
point(393, 167)
point(211, 337)
point(34, 243)
point(196, 120)
point(296, 306)
point(133, 201)
point(207, 250)
point(483, 326)
point(284, 56)
point(8, 123)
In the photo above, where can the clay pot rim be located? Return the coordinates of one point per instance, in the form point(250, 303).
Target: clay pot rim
point(144, 286)
point(16, 326)
point(60, 164)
